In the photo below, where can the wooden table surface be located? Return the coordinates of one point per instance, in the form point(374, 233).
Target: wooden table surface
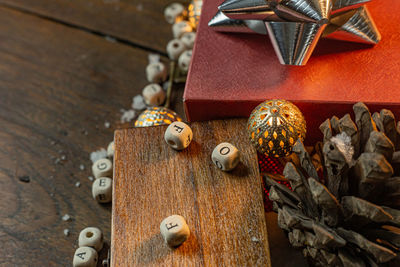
point(67, 67)
point(224, 210)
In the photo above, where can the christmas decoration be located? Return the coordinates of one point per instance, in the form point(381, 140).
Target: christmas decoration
point(274, 126)
point(194, 11)
point(295, 26)
point(350, 216)
point(155, 116)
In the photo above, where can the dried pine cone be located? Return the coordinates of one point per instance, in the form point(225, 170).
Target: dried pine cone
point(349, 216)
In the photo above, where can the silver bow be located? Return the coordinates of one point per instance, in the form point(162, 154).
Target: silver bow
point(295, 26)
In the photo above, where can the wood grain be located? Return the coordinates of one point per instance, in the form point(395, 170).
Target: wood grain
point(56, 82)
point(140, 22)
point(224, 210)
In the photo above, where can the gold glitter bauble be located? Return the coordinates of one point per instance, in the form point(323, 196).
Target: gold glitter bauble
point(156, 116)
point(194, 11)
point(274, 127)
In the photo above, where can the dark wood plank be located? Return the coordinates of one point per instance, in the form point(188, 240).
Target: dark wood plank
point(55, 82)
point(224, 210)
point(140, 22)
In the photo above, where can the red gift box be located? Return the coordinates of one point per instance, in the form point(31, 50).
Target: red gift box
point(231, 73)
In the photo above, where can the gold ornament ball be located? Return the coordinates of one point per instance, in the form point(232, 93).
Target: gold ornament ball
point(274, 127)
point(156, 116)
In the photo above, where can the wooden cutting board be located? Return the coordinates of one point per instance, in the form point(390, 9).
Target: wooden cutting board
point(224, 210)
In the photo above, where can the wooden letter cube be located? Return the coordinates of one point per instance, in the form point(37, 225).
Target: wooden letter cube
point(174, 230)
point(184, 61)
point(175, 48)
point(153, 94)
point(156, 72)
point(179, 28)
point(102, 190)
point(85, 257)
point(188, 39)
point(225, 156)
point(102, 168)
point(173, 11)
point(91, 237)
point(178, 135)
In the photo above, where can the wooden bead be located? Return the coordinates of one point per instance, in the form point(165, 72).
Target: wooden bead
point(188, 39)
point(102, 168)
point(225, 156)
point(179, 28)
point(184, 61)
point(173, 12)
point(175, 48)
point(85, 257)
point(153, 94)
point(178, 135)
point(110, 149)
point(102, 190)
point(91, 237)
point(174, 230)
point(156, 72)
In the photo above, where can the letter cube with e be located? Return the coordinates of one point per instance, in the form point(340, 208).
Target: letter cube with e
point(174, 230)
point(102, 168)
point(153, 94)
point(102, 190)
point(85, 257)
point(225, 156)
point(178, 135)
point(91, 237)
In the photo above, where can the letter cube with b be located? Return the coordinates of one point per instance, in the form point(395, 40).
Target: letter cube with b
point(102, 168)
point(85, 257)
point(102, 190)
point(178, 135)
point(174, 230)
point(225, 156)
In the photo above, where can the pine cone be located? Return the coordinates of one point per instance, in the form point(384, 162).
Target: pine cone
point(344, 207)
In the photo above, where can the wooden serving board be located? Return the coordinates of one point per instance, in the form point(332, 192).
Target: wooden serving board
point(224, 211)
